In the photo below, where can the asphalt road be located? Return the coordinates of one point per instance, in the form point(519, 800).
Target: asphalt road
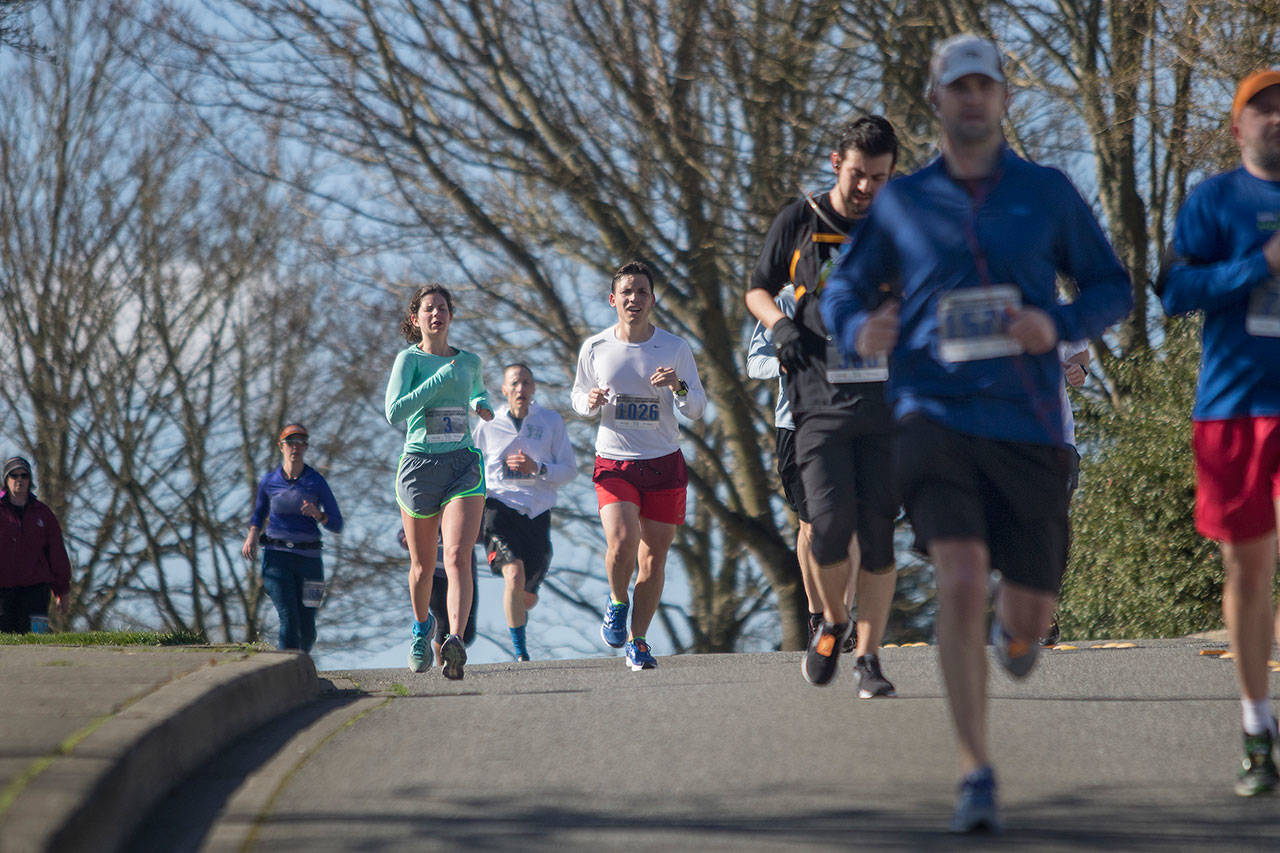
point(1128, 749)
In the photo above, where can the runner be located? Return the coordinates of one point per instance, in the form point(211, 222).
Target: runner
point(843, 427)
point(1074, 356)
point(527, 457)
point(293, 502)
point(969, 248)
point(762, 363)
point(637, 376)
point(1226, 263)
point(440, 478)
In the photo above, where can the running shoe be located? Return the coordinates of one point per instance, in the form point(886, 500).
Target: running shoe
point(614, 629)
point(453, 654)
point(420, 655)
point(522, 657)
point(1258, 767)
point(819, 664)
point(976, 803)
point(1016, 656)
point(850, 643)
point(815, 622)
point(871, 681)
point(639, 656)
point(1053, 635)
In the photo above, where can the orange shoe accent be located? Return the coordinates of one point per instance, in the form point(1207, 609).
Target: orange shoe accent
point(1018, 648)
point(826, 644)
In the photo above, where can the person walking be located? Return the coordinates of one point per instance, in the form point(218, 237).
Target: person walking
point(33, 557)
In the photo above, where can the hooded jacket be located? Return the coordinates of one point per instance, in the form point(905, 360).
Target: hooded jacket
point(31, 547)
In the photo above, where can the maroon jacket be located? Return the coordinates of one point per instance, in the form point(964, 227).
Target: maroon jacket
point(31, 548)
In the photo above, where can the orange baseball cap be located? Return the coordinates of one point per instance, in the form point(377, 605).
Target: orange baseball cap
point(1252, 85)
point(293, 429)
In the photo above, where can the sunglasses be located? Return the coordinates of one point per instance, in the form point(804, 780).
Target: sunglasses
point(296, 442)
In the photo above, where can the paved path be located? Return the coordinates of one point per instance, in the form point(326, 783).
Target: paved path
point(1129, 749)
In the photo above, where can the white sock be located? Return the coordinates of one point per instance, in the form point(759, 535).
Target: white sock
point(1257, 716)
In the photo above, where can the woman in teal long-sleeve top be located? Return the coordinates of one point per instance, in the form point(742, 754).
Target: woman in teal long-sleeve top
point(440, 478)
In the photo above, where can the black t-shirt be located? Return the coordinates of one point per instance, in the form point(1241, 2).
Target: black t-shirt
point(799, 249)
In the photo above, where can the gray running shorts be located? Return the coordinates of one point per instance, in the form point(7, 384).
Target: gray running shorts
point(425, 482)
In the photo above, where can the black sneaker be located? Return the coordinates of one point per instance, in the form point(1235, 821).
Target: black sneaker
point(850, 643)
point(453, 654)
point(1053, 635)
point(871, 681)
point(815, 622)
point(1258, 768)
point(819, 665)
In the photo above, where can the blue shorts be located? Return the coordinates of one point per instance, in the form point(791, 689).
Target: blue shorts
point(425, 482)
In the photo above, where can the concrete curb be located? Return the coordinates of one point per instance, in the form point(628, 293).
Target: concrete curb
point(93, 798)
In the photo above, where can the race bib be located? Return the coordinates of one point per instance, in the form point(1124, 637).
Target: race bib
point(971, 323)
point(635, 412)
point(446, 423)
point(842, 370)
point(1263, 318)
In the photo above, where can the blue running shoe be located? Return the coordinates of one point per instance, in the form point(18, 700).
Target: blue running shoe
point(976, 803)
point(420, 655)
point(638, 655)
point(614, 629)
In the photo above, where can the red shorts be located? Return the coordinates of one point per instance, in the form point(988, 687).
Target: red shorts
point(1237, 477)
point(657, 486)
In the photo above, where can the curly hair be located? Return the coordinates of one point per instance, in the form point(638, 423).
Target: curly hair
point(412, 333)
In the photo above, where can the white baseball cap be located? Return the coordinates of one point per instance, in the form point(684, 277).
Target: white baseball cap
point(965, 54)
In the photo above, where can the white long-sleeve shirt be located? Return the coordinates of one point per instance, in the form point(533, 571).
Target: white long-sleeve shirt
point(638, 421)
point(762, 359)
point(543, 437)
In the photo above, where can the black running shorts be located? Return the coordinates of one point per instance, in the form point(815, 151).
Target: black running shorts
point(789, 472)
point(846, 466)
point(1010, 494)
point(509, 535)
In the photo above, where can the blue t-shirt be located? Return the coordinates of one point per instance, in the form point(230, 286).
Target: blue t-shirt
point(958, 258)
point(1218, 268)
point(279, 505)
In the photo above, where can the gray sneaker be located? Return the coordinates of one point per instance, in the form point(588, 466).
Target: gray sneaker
point(976, 803)
point(1258, 768)
point(453, 654)
point(871, 681)
point(420, 655)
point(1017, 657)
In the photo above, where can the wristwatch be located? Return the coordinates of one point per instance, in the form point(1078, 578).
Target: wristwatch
point(683, 390)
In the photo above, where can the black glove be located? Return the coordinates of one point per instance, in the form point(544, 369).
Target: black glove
point(786, 341)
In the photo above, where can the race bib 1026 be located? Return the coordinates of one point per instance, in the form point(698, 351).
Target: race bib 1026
point(635, 412)
point(971, 323)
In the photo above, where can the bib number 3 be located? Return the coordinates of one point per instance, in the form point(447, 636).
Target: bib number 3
point(446, 423)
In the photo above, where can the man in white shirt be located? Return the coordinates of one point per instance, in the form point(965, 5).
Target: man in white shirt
point(636, 376)
point(527, 457)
